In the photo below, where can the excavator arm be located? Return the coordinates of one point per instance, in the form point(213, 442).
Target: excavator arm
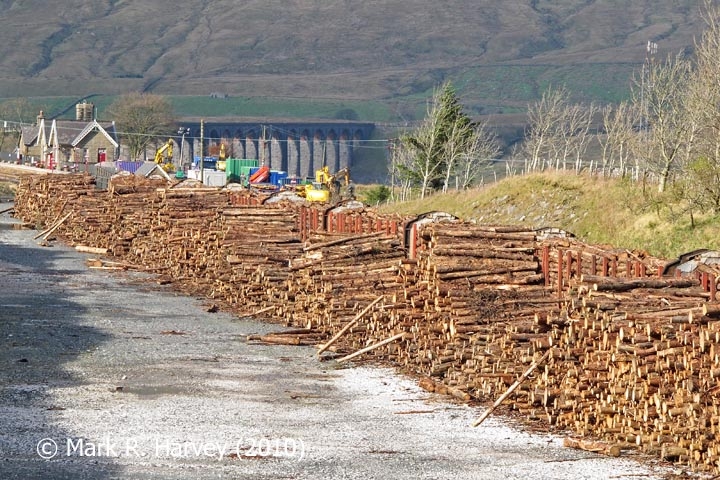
point(166, 151)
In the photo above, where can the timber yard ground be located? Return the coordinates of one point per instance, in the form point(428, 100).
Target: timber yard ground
point(114, 376)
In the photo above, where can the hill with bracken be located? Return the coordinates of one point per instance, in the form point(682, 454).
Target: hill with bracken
point(500, 54)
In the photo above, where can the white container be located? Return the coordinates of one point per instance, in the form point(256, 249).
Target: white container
point(215, 179)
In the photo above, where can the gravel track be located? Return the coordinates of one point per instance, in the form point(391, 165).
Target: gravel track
point(133, 380)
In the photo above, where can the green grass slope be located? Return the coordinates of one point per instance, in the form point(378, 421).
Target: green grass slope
point(599, 211)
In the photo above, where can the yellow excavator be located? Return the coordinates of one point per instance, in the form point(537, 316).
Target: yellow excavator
point(164, 155)
point(326, 186)
point(222, 159)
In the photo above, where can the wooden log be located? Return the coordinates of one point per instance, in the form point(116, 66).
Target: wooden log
point(372, 347)
point(621, 284)
point(340, 241)
point(512, 388)
point(349, 325)
point(711, 310)
point(592, 446)
point(88, 249)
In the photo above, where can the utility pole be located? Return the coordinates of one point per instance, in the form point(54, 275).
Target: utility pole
point(262, 146)
point(650, 51)
point(202, 154)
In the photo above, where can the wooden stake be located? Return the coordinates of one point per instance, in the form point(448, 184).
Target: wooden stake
point(263, 310)
point(349, 325)
point(512, 388)
point(371, 347)
point(57, 225)
point(52, 228)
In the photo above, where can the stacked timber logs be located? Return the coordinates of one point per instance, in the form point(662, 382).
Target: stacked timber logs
point(256, 246)
point(638, 368)
point(41, 200)
point(623, 356)
point(175, 232)
point(339, 275)
point(478, 288)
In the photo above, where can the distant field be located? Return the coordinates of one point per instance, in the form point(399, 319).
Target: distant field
point(483, 91)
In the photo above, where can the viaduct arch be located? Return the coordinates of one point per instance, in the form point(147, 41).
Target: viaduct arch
point(297, 148)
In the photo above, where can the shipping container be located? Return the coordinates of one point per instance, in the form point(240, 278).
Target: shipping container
point(126, 166)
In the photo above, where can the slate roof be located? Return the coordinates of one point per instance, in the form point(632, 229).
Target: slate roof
point(71, 132)
point(151, 168)
point(29, 134)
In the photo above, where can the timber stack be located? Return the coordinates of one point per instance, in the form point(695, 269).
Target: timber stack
point(478, 288)
point(338, 275)
point(629, 358)
point(251, 262)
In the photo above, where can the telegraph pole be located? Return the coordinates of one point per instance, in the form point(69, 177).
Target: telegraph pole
point(202, 154)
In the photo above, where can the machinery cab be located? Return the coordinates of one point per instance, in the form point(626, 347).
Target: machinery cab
point(317, 192)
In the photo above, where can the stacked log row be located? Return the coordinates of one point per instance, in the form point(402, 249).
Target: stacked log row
point(176, 233)
point(41, 200)
point(339, 275)
point(257, 244)
point(478, 288)
point(635, 357)
point(565, 259)
point(636, 366)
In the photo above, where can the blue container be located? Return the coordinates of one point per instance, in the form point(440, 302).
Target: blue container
point(125, 166)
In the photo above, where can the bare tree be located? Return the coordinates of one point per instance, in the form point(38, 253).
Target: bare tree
point(618, 137)
point(400, 165)
point(483, 149)
point(668, 132)
point(141, 119)
point(701, 163)
point(542, 138)
point(577, 135)
point(13, 114)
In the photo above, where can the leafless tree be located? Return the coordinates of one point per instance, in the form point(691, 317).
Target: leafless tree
point(142, 119)
point(483, 149)
point(668, 134)
point(13, 114)
point(616, 141)
point(400, 164)
point(702, 163)
point(542, 138)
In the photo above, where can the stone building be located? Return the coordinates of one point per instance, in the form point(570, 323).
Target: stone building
point(68, 144)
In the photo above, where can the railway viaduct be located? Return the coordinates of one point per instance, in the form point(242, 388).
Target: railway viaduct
point(297, 148)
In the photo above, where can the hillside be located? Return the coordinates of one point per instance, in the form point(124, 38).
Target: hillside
point(500, 54)
point(599, 211)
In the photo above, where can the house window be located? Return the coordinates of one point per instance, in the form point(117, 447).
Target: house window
point(86, 155)
point(102, 155)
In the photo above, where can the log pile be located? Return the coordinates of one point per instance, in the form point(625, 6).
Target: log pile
point(256, 245)
point(478, 289)
point(625, 358)
point(41, 200)
point(337, 276)
point(175, 232)
point(638, 368)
